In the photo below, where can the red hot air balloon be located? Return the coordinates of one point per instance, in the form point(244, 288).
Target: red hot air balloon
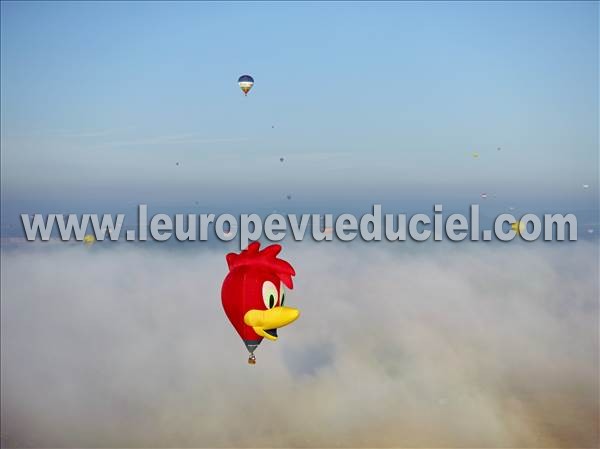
point(253, 294)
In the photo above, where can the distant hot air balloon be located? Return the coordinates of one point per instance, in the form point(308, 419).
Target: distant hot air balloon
point(246, 82)
point(475, 154)
point(89, 239)
point(518, 227)
point(281, 159)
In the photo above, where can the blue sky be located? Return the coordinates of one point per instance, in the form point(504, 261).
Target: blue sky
point(366, 102)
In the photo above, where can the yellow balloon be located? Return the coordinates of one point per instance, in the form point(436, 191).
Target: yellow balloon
point(518, 227)
point(89, 239)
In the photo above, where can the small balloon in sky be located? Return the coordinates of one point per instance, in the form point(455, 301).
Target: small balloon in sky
point(498, 149)
point(518, 227)
point(89, 239)
point(272, 126)
point(177, 164)
point(245, 82)
point(475, 155)
point(289, 197)
point(281, 159)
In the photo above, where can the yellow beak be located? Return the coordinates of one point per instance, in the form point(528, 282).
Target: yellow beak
point(266, 322)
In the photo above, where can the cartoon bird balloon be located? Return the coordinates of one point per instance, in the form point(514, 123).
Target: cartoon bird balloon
point(253, 294)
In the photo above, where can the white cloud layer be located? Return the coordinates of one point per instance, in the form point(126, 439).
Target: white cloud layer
point(473, 346)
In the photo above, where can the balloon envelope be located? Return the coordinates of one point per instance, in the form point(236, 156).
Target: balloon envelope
point(245, 82)
point(89, 239)
point(518, 227)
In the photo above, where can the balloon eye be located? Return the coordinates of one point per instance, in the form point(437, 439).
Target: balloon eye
point(270, 294)
point(281, 294)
